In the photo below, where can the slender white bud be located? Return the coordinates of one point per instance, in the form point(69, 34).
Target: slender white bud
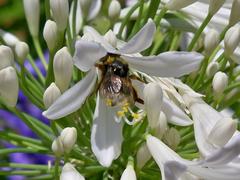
point(32, 13)
point(211, 41)
point(223, 131)
point(68, 137)
point(6, 57)
point(220, 82)
point(212, 68)
point(232, 39)
point(128, 173)
point(21, 51)
point(111, 38)
point(60, 11)
point(114, 10)
point(50, 34)
point(235, 13)
point(9, 86)
point(143, 155)
point(179, 4)
point(57, 147)
point(50, 95)
point(153, 97)
point(8, 38)
point(215, 5)
point(172, 138)
point(70, 173)
point(63, 67)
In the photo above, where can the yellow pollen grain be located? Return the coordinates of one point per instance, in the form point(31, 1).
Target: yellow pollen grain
point(135, 116)
point(120, 113)
point(108, 102)
point(124, 109)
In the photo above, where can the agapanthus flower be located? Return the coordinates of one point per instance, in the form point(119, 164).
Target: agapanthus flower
point(94, 49)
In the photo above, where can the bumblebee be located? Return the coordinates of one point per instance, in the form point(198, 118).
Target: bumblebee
point(116, 86)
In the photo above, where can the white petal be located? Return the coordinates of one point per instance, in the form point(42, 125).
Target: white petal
point(129, 173)
point(168, 64)
point(226, 154)
point(94, 9)
point(106, 135)
point(142, 40)
point(100, 39)
point(205, 117)
point(73, 98)
point(70, 173)
point(173, 169)
point(153, 97)
point(87, 53)
point(79, 17)
point(143, 155)
point(174, 114)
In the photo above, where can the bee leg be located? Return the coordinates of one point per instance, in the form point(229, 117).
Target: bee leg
point(134, 77)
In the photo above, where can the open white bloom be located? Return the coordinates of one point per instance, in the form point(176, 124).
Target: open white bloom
point(70, 173)
point(93, 51)
point(218, 165)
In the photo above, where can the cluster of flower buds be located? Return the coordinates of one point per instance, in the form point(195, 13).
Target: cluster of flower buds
point(65, 142)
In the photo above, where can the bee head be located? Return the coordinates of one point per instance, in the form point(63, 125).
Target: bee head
point(118, 68)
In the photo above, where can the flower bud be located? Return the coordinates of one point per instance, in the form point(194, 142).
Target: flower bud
point(50, 34)
point(172, 138)
point(9, 86)
point(111, 38)
point(8, 38)
point(232, 39)
point(68, 137)
point(128, 173)
point(70, 173)
point(179, 4)
point(32, 13)
point(143, 155)
point(114, 10)
point(220, 82)
point(235, 13)
point(6, 57)
point(63, 63)
point(162, 126)
point(211, 41)
point(214, 6)
point(212, 68)
point(85, 7)
point(60, 11)
point(57, 147)
point(222, 131)
point(21, 51)
point(153, 97)
point(50, 95)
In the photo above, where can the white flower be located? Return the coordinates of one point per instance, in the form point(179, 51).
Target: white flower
point(60, 12)
point(68, 137)
point(21, 51)
point(6, 56)
point(9, 86)
point(178, 4)
point(211, 41)
point(129, 173)
point(218, 165)
point(63, 62)
point(106, 134)
point(50, 95)
point(50, 34)
point(232, 39)
point(114, 10)
point(32, 13)
point(220, 82)
point(70, 173)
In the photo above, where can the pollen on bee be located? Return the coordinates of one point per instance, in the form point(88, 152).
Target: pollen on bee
point(108, 102)
point(110, 59)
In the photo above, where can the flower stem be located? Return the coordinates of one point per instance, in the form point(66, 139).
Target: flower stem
point(199, 31)
point(39, 51)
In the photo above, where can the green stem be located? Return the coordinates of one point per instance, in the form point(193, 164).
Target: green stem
point(199, 31)
point(159, 17)
point(25, 166)
point(39, 74)
point(39, 51)
point(50, 74)
point(56, 168)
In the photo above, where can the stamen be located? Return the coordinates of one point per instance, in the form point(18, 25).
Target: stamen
point(108, 102)
point(120, 114)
